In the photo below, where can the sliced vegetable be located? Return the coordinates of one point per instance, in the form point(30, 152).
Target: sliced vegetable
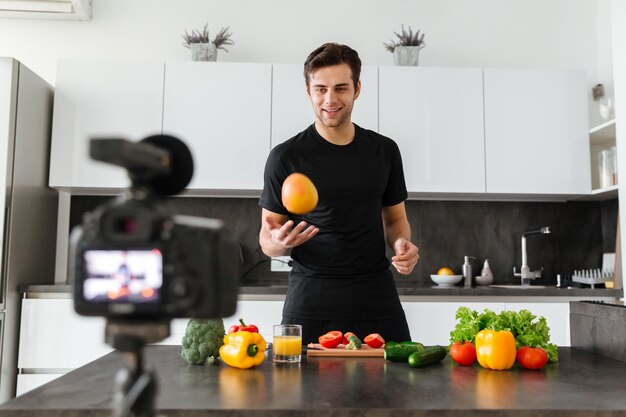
point(463, 354)
point(400, 352)
point(243, 327)
point(532, 358)
point(427, 356)
point(374, 340)
point(345, 340)
point(353, 343)
point(331, 339)
point(495, 349)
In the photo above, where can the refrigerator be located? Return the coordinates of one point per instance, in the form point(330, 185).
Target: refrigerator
point(29, 216)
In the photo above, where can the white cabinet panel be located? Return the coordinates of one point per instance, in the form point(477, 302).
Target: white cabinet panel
point(536, 132)
point(222, 111)
point(28, 382)
point(431, 323)
point(101, 99)
point(436, 117)
point(53, 336)
point(264, 314)
point(557, 317)
point(292, 111)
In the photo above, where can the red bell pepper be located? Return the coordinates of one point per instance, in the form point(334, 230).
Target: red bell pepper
point(463, 354)
point(531, 358)
point(374, 340)
point(243, 328)
point(331, 339)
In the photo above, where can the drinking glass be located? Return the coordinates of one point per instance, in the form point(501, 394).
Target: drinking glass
point(287, 343)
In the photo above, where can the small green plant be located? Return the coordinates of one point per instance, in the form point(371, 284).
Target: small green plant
point(406, 38)
point(222, 38)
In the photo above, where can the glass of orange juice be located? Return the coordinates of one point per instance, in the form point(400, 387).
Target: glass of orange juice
point(287, 343)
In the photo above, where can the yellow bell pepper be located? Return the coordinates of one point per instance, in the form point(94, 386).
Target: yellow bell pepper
point(243, 349)
point(495, 350)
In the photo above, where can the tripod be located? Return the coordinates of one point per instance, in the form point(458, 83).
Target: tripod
point(134, 388)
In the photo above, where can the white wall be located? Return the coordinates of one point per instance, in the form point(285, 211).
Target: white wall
point(494, 33)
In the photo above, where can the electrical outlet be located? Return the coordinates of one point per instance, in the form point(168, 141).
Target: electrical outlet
point(280, 264)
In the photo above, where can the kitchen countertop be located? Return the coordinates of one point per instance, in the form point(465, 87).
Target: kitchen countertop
point(580, 384)
point(405, 291)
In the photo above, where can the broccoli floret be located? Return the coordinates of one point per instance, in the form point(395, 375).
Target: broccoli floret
point(354, 343)
point(202, 340)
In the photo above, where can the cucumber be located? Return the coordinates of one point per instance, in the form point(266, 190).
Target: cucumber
point(400, 352)
point(427, 356)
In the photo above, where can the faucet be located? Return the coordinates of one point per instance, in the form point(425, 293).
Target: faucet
point(525, 273)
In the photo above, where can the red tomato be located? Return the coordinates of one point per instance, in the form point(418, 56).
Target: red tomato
point(331, 339)
point(374, 340)
point(463, 354)
point(532, 358)
point(345, 340)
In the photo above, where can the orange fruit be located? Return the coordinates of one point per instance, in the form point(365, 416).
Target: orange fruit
point(445, 271)
point(299, 194)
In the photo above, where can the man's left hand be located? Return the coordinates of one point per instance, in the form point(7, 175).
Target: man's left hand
point(406, 256)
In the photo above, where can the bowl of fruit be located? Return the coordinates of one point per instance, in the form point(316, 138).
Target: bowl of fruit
point(445, 277)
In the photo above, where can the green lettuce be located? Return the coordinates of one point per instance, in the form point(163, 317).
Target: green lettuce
point(527, 329)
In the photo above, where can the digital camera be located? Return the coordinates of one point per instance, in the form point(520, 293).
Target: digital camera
point(132, 258)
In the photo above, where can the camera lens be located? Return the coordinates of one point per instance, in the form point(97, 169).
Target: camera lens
point(125, 225)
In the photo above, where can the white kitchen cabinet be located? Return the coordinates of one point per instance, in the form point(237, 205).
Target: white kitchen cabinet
point(536, 132)
point(292, 111)
point(53, 336)
point(55, 340)
point(101, 99)
point(435, 115)
point(28, 382)
point(264, 314)
point(222, 111)
point(431, 323)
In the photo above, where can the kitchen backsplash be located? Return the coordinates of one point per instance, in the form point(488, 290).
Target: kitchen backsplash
point(445, 231)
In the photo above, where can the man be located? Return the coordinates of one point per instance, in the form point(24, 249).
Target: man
point(340, 278)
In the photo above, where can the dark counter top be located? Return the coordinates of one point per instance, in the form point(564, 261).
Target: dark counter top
point(580, 384)
point(408, 290)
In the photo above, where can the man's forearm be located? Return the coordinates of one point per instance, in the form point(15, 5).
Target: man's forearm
point(397, 229)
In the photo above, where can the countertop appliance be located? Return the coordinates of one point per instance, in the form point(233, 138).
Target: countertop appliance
point(29, 216)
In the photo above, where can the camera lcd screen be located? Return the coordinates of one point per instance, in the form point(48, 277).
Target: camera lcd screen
point(123, 276)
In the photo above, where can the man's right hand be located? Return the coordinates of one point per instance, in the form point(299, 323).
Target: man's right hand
point(278, 234)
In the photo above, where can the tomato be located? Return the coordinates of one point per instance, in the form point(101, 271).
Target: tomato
point(345, 340)
point(463, 354)
point(532, 358)
point(331, 339)
point(299, 195)
point(374, 340)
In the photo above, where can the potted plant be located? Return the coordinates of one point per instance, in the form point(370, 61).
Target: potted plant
point(406, 50)
point(202, 49)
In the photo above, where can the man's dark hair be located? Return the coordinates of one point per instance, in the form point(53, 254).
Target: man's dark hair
point(333, 54)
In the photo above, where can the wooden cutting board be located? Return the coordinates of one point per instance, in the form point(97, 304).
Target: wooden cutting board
point(315, 349)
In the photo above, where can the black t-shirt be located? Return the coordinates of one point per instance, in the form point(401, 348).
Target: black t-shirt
point(340, 269)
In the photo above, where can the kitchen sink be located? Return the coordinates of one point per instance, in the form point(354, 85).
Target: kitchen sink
point(520, 287)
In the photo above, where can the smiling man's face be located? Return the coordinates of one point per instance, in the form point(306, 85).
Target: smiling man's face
point(332, 93)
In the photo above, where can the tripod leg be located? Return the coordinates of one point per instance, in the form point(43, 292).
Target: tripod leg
point(134, 394)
